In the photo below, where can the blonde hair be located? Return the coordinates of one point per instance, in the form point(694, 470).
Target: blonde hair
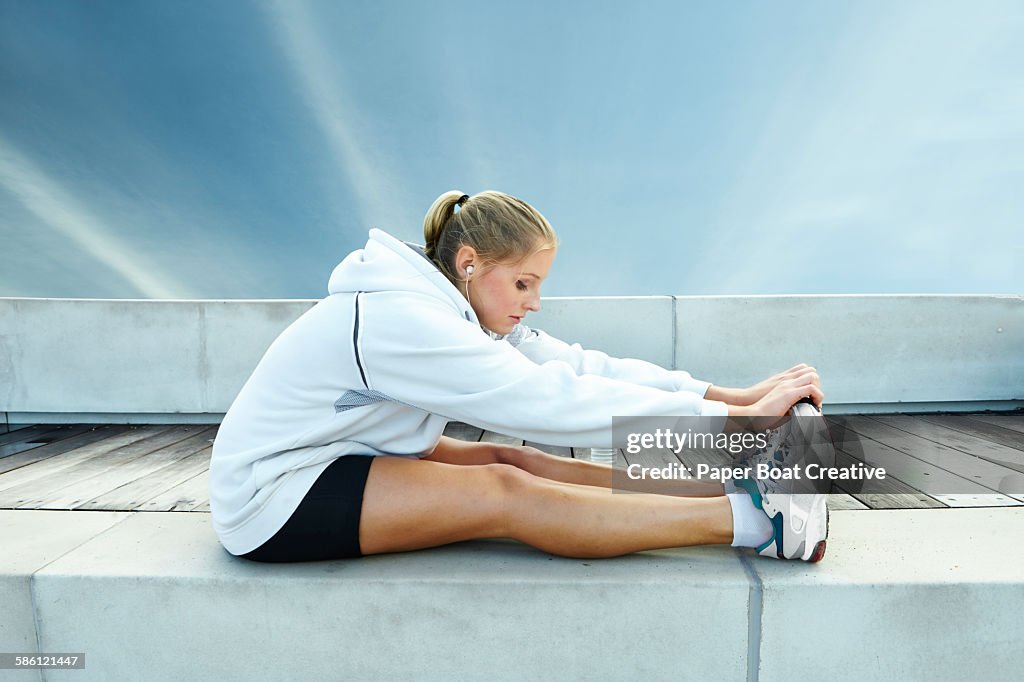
point(500, 228)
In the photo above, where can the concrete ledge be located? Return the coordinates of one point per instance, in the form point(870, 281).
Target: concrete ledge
point(622, 326)
point(926, 594)
point(192, 357)
point(833, 409)
point(867, 348)
point(29, 543)
point(157, 590)
point(147, 356)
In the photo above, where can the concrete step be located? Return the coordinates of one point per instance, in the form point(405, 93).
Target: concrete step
point(903, 594)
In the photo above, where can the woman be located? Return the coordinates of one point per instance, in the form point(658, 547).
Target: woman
point(334, 447)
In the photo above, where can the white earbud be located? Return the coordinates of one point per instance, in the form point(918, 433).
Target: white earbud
point(469, 269)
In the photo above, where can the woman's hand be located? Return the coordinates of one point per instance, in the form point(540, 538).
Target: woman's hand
point(758, 391)
point(749, 396)
point(785, 394)
point(782, 396)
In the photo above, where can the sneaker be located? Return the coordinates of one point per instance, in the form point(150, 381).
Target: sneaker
point(780, 451)
point(799, 519)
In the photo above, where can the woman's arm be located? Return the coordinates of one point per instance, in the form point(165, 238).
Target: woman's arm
point(731, 396)
point(541, 347)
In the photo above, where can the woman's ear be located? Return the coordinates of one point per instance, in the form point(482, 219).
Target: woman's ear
point(465, 258)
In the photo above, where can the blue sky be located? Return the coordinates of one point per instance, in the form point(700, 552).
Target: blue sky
point(241, 149)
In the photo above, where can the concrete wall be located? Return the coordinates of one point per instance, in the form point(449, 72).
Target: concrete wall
point(868, 349)
point(81, 359)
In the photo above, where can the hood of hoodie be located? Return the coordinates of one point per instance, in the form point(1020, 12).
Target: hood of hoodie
point(389, 264)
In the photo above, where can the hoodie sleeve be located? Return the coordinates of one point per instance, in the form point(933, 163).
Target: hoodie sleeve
point(541, 347)
point(416, 350)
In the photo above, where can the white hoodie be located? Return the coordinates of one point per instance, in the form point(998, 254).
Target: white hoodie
point(380, 367)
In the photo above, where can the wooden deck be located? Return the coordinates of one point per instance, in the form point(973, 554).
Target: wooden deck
point(165, 468)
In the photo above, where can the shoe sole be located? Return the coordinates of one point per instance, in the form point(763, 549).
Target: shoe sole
point(819, 549)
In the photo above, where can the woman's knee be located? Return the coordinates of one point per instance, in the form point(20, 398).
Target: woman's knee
point(520, 456)
point(510, 488)
point(509, 479)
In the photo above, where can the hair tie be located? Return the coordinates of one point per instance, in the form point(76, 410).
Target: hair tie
point(463, 199)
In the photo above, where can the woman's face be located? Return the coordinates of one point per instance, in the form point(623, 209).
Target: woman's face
point(501, 295)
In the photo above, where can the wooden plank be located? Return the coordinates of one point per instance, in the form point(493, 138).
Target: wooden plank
point(105, 474)
point(975, 427)
point(921, 464)
point(121, 475)
point(59, 468)
point(584, 454)
point(895, 494)
point(838, 501)
point(1014, 422)
point(192, 494)
point(559, 450)
point(134, 495)
point(967, 436)
point(37, 454)
point(499, 438)
point(13, 443)
point(886, 501)
point(959, 433)
point(32, 485)
point(23, 435)
point(966, 456)
point(11, 428)
point(892, 493)
point(463, 431)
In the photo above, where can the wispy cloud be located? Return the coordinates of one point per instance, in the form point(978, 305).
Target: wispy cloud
point(321, 82)
point(59, 210)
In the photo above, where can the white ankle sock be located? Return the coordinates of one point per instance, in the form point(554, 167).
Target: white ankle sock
point(750, 525)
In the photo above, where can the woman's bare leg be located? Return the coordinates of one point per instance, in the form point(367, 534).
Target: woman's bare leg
point(412, 504)
point(601, 475)
point(564, 469)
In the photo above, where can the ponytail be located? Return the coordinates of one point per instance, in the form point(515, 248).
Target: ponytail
point(437, 217)
point(499, 227)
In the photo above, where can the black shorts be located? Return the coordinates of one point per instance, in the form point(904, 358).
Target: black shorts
point(326, 523)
